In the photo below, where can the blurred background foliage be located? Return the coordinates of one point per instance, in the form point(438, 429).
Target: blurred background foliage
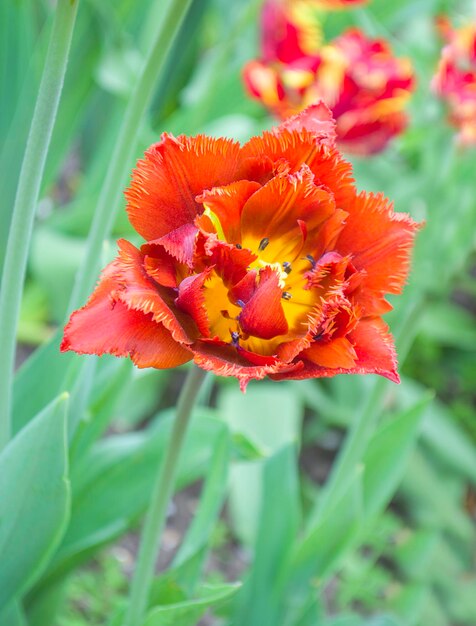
point(395, 544)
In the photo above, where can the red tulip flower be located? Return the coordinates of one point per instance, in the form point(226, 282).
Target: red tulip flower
point(338, 4)
point(455, 80)
point(258, 260)
point(363, 83)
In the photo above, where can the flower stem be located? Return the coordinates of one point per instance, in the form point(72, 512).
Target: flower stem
point(156, 515)
point(26, 200)
point(111, 191)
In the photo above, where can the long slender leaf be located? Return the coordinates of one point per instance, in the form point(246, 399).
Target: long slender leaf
point(34, 499)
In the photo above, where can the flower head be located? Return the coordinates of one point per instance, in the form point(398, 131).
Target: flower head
point(258, 260)
point(363, 83)
point(338, 4)
point(455, 80)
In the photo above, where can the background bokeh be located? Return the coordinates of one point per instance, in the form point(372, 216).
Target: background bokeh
point(395, 543)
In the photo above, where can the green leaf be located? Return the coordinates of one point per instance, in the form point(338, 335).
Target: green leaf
point(13, 615)
point(113, 482)
point(269, 416)
point(54, 260)
point(357, 620)
point(387, 454)
point(262, 596)
point(332, 534)
point(39, 380)
point(34, 499)
point(197, 539)
point(188, 612)
point(449, 325)
point(246, 450)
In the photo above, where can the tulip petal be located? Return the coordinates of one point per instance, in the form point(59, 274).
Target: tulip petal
point(336, 354)
point(263, 315)
point(261, 156)
point(379, 241)
point(375, 349)
point(226, 203)
point(178, 243)
point(225, 360)
point(137, 290)
point(108, 326)
point(191, 299)
point(287, 210)
point(161, 196)
point(316, 119)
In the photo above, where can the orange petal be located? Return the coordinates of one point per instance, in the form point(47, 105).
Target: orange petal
point(316, 119)
point(137, 290)
point(334, 172)
point(227, 203)
point(375, 349)
point(336, 354)
point(379, 241)
point(191, 299)
point(178, 243)
point(225, 360)
point(263, 315)
point(285, 210)
point(261, 156)
point(161, 196)
point(230, 263)
point(107, 326)
point(161, 267)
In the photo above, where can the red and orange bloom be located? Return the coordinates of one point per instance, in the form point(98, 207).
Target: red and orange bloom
point(455, 80)
point(290, 30)
point(364, 84)
point(338, 4)
point(259, 260)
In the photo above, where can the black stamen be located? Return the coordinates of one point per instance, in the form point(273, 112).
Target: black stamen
point(286, 295)
point(235, 337)
point(239, 246)
point(287, 267)
point(311, 259)
point(263, 244)
point(240, 303)
point(318, 336)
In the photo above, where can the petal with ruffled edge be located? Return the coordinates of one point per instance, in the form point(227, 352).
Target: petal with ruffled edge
point(225, 360)
point(225, 204)
point(379, 241)
point(374, 350)
point(287, 210)
point(107, 326)
point(191, 299)
point(316, 119)
point(263, 315)
point(138, 291)
point(161, 196)
point(295, 141)
point(230, 262)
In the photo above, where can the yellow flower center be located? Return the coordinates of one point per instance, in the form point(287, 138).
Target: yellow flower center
point(284, 256)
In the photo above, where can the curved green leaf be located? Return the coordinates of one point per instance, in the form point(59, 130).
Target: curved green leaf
point(34, 499)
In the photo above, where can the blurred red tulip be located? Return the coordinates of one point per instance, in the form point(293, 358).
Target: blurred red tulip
point(455, 80)
point(363, 83)
point(259, 260)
